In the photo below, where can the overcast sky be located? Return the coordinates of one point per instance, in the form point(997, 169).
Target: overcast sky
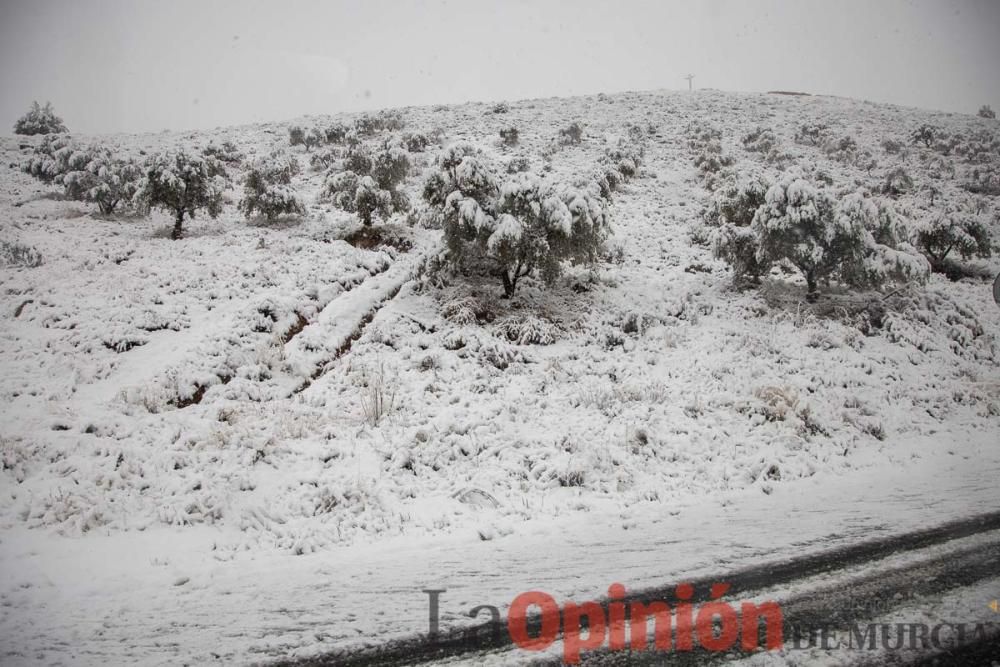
point(137, 65)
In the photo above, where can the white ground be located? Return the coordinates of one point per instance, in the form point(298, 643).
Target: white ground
point(259, 520)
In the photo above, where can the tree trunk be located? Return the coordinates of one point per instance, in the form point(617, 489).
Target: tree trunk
point(811, 289)
point(178, 226)
point(509, 285)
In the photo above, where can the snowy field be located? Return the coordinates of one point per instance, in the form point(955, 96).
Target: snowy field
point(204, 405)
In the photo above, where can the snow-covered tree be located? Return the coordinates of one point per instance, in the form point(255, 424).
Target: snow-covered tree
point(731, 212)
point(986, 112)
point(814, 135)
point(509, 136)
point(313, 137)
point(267, 187)
point(925, 134)
point(94, 174)
point(40, 120)
point(798, 224)
point(514, 228)
point(296, 136)
point(888, 258)
point(370, 199)
point(183, 184)
point(952, 229)
point(386, 170)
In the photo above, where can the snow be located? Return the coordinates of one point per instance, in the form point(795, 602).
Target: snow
point(189, 465)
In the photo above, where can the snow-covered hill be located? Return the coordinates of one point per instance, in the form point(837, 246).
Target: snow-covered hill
point(224, 382)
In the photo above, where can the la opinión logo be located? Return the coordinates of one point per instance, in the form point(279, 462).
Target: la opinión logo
point(535, 620)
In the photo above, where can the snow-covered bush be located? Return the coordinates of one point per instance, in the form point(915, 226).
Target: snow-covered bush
point(518, 164)
point(336, 133)
point(40, 120)
point(897, 182)
point(323, 159)
point(227, 153)
point(296, 136)
point(13, 253)
point(571, 134)
point(416, 142)
point(892, 146)
point(625, 158)
point(313, 137)
point(952, 229)
point(514, 228)
point(842, 150)
point(267, 188)
point(760, 140)
point(509, 136)
point(385, 171)
point(370, 199)
point(813, 135)
point(925, 134)
point(701, 133)
point(388, 121)
point(730, 213)
point(182, 184)
point(501, 107)
point(710, 161)
point(888, 258)
point(983, 180)
point(986, 112)
point(798, 224)
point(92, 174)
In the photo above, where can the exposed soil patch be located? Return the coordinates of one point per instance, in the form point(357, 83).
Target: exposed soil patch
point(369, 238)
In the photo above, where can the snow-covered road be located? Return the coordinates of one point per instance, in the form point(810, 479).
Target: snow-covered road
point(161, 596)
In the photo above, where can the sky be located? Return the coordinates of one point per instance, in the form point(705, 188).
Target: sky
point(138, 65)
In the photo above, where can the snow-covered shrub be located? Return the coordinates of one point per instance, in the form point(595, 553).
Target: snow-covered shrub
point(897, 182)
point(267, 188)
point(925, 134)
point(514, 228)
point(40, 120)
point(527, 330)
point(370, 182)
point(182, 184)
point(416, 142)
point(518, 164)
point(731, 212)
point(842, 150)
point(892, 146)
point(760, 140)
point(388, 121)
point(296, 136)
point(313, 137)
point(323, 159)
point(370, 199)
point(983, 180)
point(701, 133)
point(813, 135)
point(711, 160)
point(509, 136)
point(986, 112)
point(625, 158)
point(798, 224)
point(17, 254)
point(92, 174)
point(888, 258)
point(501, 107)
point(953, 228)
point(227, 153)
point(336, 133)
point(571, 134)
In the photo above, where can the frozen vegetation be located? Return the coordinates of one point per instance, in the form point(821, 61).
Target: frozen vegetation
point(457, 319)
